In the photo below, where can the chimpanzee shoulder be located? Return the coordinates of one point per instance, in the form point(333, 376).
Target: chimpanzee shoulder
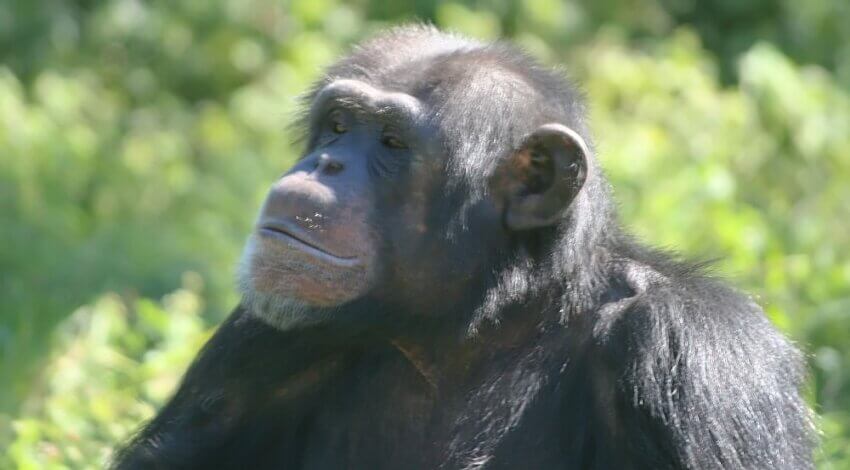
point(696, 364)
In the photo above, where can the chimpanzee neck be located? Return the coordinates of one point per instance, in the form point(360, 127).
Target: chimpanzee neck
point(450, 354)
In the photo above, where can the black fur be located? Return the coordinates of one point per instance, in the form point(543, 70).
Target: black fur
point(578, 348)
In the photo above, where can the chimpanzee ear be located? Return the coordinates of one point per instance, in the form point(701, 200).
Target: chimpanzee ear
point(542, 177)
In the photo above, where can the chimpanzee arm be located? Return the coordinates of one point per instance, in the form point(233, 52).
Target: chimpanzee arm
point(245, 372)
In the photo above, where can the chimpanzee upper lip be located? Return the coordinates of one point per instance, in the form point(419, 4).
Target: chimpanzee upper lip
point(294, 235)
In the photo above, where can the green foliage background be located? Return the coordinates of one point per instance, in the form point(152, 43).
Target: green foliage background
point(137, 139)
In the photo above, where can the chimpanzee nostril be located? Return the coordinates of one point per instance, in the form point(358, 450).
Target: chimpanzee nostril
point(328, 165)
point(332, 167)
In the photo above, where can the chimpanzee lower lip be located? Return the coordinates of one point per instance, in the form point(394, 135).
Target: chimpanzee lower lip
point(280, 232)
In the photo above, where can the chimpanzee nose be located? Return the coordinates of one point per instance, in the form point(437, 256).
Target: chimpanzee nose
point(329, 165)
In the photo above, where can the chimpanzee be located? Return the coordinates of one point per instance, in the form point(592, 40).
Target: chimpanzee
point(441, 282)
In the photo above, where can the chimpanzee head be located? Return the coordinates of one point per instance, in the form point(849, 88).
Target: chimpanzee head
point(430, 160)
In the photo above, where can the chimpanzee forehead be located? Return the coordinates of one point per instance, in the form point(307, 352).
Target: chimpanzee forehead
point(364, 96)
point(452, 88)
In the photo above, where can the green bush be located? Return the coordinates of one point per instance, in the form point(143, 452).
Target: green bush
point(115, 362)
point(137, 140)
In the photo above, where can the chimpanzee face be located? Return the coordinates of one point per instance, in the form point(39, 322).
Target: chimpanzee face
point(364, 212)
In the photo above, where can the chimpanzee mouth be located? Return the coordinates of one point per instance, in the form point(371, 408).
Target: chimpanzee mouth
point(294, 238)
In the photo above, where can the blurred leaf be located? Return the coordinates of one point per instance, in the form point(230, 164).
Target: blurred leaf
point(137, 139)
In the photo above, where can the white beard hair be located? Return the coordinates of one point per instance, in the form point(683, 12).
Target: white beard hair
point(282, 313)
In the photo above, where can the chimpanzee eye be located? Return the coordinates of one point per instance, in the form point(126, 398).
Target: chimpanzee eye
point(391, 141)
point(337, 126)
